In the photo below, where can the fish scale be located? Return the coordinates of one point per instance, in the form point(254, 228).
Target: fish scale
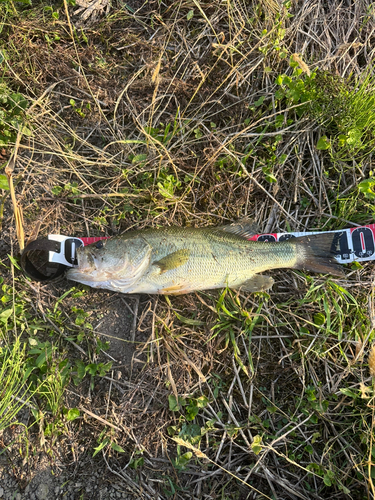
point(178, 260)
point(215, 259)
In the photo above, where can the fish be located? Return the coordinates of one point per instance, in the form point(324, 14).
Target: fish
point(178, 260)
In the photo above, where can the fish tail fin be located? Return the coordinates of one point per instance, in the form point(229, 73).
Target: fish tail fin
point(317, 253)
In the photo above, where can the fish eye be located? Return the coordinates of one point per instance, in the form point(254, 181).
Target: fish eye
point(99, 244)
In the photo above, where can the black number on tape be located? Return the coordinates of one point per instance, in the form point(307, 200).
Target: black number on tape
point(267, 237)
point(286, 237)
point(340, 245)
point(363, 242)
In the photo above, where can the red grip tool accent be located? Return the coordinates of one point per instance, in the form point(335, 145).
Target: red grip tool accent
point(93, 239)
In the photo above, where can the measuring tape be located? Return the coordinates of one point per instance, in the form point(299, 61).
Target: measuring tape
point(46, 259)
point(349, 245)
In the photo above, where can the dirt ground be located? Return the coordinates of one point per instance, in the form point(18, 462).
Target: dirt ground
point(40, 477)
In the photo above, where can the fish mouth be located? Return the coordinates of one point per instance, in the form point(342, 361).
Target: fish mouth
point(85, 269)
point(75, 274)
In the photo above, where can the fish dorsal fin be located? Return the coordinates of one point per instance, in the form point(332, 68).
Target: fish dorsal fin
point(244, 227)
point(173, 260)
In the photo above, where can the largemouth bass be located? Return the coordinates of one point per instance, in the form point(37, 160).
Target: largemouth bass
point(178, 260)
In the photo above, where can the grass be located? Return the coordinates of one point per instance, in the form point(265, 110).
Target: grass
point(192, 114)
point(15, 392)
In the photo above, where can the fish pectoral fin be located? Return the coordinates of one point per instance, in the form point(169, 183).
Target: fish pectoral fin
point(244, 227)
point(257, 283)
point(173, 260)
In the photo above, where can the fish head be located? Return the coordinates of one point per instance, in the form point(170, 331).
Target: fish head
point(102, 260)
point(115, 260)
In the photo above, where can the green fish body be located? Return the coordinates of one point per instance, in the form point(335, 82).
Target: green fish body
point(178, 260)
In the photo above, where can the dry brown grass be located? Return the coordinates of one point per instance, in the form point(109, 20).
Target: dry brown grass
point(270, 367)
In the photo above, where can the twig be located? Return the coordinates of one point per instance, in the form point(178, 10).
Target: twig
point(92, 196)
point(100, 419)
point(132, 484)
point(16, 209)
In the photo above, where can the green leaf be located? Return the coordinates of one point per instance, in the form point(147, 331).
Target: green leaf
point(259, 102)
point(342, 140)
point(202, 401)
point(56, 190)
point(4, 182)
point(270, 178)
point(268, 174)
point(137, 462)
point(198, 133)
point(81, 369)
point(367, 188)
point(19, 100)
point(91, 368)
point(14, 262)
point(117, 447)
point(101, 446)
point(172, 430)
point(349, 393)
point(44, 356)
point(103, 368)
point(174, 405)
point(165, 191)
point(191, 411)
point(319, 319)
point(327, 480)
point(190, 14)
point(256, 445)
point(191, 433)
point(25, 131)
point(182, 460)
point(139, 158)
point(354, 137)
point(72, 414)
point(323, 143)
point(4, 315)
point(315, 436)
point(188, 321)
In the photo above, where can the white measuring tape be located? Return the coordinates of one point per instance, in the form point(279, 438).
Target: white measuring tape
point(354, 244)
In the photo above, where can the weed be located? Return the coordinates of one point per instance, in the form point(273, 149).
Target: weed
point(92, 369)
point(12, 114)
point(105, 442)
point(367, 188)
point(15, 387)
point(77, 109)
point(340, 107)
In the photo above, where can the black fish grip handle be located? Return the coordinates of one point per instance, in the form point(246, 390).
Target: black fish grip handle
point(49, 270)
